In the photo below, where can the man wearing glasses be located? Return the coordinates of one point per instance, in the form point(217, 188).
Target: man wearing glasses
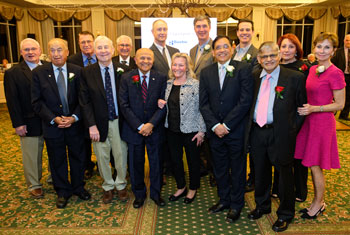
point(124, 48)
point(85, 57)
point(273, 127)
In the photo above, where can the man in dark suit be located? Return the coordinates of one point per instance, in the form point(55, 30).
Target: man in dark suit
point(124, 48)
point(274, 125)
point(26, 123)
point(225, 96)
point(99, 102)
point(245, 51)
point(84, 58)
point(202, 56)
point(139, 92)
point(342, 61)
point(162, 52)
point(54, 93)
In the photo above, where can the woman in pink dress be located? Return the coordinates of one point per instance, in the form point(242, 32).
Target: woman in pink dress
point(317, 141)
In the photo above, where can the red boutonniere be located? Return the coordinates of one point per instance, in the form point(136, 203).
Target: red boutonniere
point(279, 92)
point(303, 68)
point(136, 80)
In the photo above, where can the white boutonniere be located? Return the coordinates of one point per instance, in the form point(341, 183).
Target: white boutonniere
point(120, 71)
point(71, 77)
point(247, 57)
point(320, 69)
point(229, 70)
point(207, 48)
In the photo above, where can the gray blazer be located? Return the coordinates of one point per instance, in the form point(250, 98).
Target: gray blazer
point(191, 119)
point(253, 51)
point(205, 59)
point(159, 63)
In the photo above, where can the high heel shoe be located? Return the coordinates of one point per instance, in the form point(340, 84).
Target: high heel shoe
point(303, 211)
point(190, 200)
point(320, 211)
point(174, 198)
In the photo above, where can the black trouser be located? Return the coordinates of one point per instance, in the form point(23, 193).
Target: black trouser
point(345, 112)
point(178, 141)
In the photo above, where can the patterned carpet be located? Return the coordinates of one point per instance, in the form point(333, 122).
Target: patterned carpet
point(20, 214)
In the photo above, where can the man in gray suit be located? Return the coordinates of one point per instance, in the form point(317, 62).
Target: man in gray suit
point(201, 54)
point(245, 51)
point(162, 52)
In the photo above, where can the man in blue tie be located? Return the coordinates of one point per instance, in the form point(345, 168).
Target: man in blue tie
point(140, 90)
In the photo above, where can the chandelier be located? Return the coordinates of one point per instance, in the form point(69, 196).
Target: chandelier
point(183, 5)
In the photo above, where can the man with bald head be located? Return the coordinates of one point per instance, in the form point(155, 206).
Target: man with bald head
point(26, 123)
point(139, 92)
point(100, 107)
point(54, 91)
point(124, 48)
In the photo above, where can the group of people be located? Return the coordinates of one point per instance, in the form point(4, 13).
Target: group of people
point(266, 102)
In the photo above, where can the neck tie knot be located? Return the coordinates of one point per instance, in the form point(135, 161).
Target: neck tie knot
point(123, 62)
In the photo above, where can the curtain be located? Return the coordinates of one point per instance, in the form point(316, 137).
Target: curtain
point(35, 28)
point(111, 29)
point(47, 27)
point(126, 27)
point(270, 29)
point(86, 25)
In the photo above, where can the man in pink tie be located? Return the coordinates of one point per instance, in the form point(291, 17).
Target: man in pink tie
point(274, 126)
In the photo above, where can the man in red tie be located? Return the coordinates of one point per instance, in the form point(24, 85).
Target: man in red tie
point(139, 92)
point(273, 127)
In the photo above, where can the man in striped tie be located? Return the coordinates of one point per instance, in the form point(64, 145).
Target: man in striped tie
point(139, 92)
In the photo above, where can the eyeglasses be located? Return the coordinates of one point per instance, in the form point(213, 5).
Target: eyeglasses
point(86, 42)
point(30, 49)
point(124, 45)
point(272, 56)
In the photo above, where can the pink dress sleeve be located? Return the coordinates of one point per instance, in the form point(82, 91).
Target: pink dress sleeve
point(337, 82)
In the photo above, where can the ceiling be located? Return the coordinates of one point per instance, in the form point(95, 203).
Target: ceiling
point(116, 3)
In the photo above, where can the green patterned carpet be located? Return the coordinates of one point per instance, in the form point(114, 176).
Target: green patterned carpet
point(20, 214)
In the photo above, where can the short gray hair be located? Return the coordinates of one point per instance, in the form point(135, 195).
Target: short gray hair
point(29, 40)
point(269, 44)
point(101, 38)
point(123, 37)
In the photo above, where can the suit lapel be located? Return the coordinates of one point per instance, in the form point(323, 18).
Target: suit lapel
point(160, 56)
point(26, 70)
point(257, 84)
point(215, 76)
point(228, 77)
point(52, 79)
point(151, 85)
point(283, 82)
point(99, 80)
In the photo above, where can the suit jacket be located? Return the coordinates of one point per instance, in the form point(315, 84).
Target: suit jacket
point(286, 120)
point(17, 90)
point(132, 64)
point(159, 63)
point(229, 105)
point(205, 60)
point(339, 59)
point(46, 99)
point(253, 51)
point(136, 112)
point(76, 59)
point(93, 101)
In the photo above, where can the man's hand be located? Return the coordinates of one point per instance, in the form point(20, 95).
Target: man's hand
point(21, 130)
point(94, 133)
point(146, 130)
point(221, 131)
point(68, 120)
point(161, 103)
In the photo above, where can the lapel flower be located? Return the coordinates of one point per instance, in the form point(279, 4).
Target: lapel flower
point(120, 71)
point(279, 92)
point(303, 68)
point(71, 77)
point(207, 48)
point(229, 70)
point(247, 57)
point(320, 69)
point(136, 80)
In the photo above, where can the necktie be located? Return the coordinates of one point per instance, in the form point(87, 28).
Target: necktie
point(61, 85)
point(123, 62)
point(89, 60)
point(222, 74)
point(165, 57)
point(261, 115)
point(199, 53)
point(144, 88)
point(109, 95)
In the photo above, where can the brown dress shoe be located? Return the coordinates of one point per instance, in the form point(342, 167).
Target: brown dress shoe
point(37, 193)
point(123, 194)
point(107, 196)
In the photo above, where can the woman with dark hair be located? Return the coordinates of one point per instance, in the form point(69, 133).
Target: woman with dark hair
point(185, 125)
point(291, 58)
point(316, 143)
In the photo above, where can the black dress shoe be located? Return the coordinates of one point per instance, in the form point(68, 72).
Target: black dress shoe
point(212, 180)
point(84, 195)
point(217, 208)
point(61, 202)
point(138, 202)
point(159, 202)
point(190, 200)
point(233, 215)
point(174, 198)
point(281, 225)
point(257, 213)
